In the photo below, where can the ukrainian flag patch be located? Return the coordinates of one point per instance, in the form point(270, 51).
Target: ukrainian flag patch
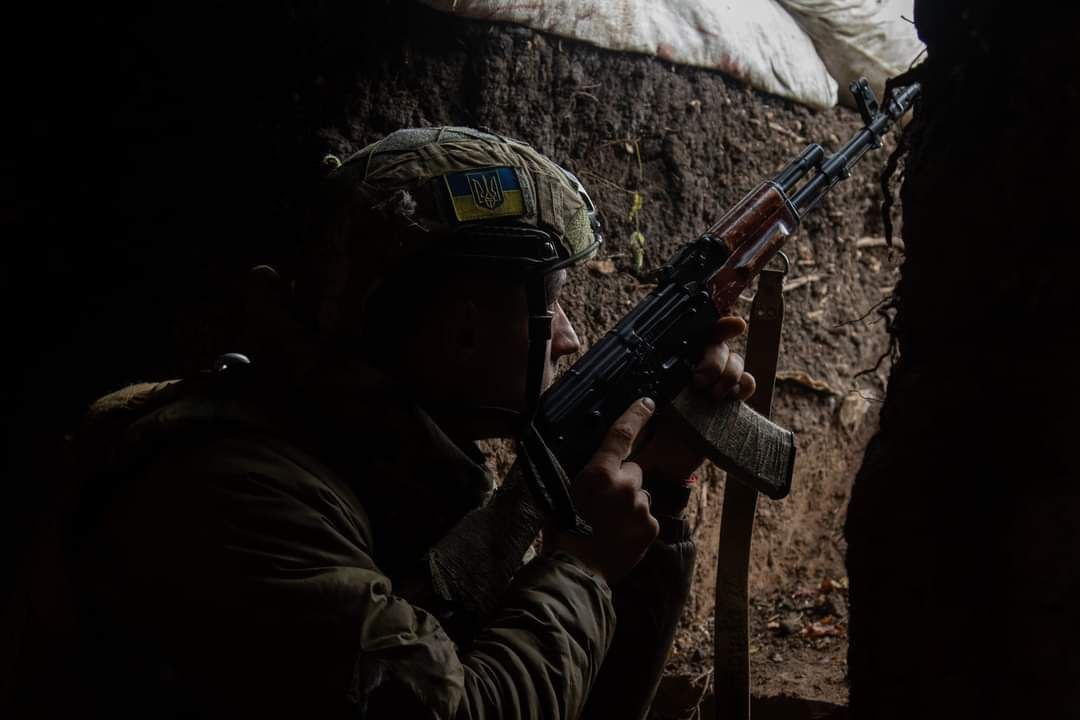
point(485, 194)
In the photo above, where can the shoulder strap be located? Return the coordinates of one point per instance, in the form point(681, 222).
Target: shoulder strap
point(731, 674)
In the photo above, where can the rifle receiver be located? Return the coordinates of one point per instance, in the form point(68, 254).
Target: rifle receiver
point(653, 349)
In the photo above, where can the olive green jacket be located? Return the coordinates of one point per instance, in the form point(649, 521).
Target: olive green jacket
point(243, 548)
point(225, 567)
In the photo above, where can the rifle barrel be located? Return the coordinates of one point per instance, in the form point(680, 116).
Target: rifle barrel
point(838, 166)
point(809, 159)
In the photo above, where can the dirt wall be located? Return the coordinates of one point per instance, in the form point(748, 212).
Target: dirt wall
point(963, 525)
point(165, 151)
point(686, 143)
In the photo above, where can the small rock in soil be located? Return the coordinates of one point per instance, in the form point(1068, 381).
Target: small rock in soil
point(791, 624)
point(601, 267)
point(835, 605)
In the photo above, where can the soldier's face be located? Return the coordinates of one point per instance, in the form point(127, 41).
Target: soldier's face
point(473, 353)
point(487, 353)
point(502, 352)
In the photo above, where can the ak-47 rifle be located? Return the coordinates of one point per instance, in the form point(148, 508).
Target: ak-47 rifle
point(653, 350)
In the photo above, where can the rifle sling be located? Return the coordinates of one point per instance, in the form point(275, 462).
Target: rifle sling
point(731, 674)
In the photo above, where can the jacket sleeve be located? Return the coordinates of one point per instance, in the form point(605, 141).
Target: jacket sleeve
point(257, 581)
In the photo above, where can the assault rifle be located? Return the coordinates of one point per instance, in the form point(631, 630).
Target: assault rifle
point(653, 350)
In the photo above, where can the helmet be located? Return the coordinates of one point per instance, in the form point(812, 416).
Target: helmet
point(441, 194)
point(453, 194)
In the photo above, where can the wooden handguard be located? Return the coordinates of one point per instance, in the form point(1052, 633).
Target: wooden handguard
point(739, 441)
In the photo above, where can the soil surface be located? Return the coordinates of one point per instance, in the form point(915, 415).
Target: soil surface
point(664, 150)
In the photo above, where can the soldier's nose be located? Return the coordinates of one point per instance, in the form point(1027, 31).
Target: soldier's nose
point(564, 341)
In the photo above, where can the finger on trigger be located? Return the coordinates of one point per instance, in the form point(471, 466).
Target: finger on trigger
point(616, 445)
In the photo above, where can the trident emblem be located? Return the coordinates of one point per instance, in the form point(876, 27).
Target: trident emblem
point(486, 190)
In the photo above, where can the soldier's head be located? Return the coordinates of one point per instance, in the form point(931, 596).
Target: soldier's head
point(439, 256)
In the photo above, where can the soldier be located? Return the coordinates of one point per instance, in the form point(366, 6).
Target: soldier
point(301, 532)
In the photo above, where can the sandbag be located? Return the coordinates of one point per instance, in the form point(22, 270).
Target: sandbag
point(802, 50)
point(756, 41)
point(859, 38)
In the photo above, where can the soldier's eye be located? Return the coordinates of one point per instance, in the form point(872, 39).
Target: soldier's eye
point(553, 285)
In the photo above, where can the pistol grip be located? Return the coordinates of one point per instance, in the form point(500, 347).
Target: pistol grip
point(739, 441)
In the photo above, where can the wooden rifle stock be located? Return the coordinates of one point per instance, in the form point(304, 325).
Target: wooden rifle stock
point(753, 230)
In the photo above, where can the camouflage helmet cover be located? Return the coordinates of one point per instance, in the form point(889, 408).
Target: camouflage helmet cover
point(446, 191)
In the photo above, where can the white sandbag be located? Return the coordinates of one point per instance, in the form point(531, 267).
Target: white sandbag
point(756, 41)
point(860, 38)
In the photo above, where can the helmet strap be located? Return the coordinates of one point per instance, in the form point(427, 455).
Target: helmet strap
point(540, 317)
point(542, 469)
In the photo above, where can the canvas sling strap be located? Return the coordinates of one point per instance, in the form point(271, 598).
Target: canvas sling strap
point(731, 673)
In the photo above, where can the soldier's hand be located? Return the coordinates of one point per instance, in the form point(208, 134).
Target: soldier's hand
point(667, 456)
point(720, 372)
point(608, 494)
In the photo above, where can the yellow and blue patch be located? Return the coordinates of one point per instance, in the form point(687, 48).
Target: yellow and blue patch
point(485, 194)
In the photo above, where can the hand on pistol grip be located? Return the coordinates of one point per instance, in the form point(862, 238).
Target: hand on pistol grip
point(608, 495)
